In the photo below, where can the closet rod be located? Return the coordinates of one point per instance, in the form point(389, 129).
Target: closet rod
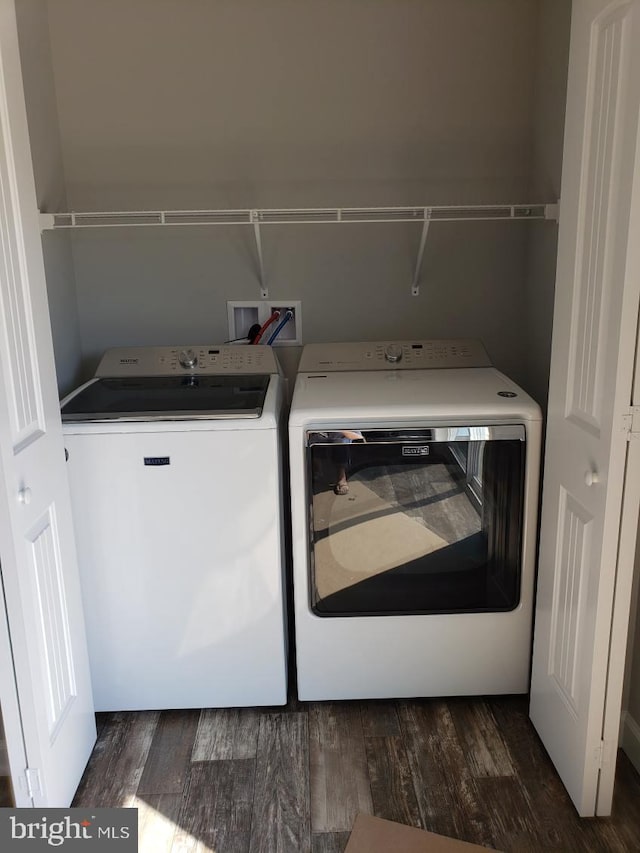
point(298, 216)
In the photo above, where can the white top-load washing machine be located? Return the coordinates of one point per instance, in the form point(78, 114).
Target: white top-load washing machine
point(414, 491)
point(175, 473)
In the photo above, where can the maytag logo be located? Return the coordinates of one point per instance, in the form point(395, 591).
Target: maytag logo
point(72, 829)
point(129, 360)
point(413, 450)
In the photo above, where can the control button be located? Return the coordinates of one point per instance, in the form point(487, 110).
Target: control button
point(188, 358)
point(393, 353)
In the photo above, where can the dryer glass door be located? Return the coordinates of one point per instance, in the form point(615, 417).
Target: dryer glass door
point(415, 521)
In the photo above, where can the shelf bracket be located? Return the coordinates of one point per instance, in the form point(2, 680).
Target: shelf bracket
point(255, 219)
point(552, 211)
point(415, 287)
point(47, 221)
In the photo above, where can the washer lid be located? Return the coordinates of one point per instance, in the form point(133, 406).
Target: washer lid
point(167, 398)
point(469, 395)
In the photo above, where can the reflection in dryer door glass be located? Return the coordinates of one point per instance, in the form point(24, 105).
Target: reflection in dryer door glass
point(407, 523)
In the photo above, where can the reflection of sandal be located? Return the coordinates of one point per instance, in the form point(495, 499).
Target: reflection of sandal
point(341, 489)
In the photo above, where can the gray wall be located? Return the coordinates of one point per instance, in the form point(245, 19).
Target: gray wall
point(33, 30)
point(548, 133)
point(170, 104)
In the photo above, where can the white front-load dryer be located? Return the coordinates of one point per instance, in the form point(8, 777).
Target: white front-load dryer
point(414, 489)
point(175, 474)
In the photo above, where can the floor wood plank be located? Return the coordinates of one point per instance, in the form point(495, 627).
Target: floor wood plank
point(168, 761)
point(280, 821)
point(329, 842)
point(339, 778)
point(445, 789)
point(117, 762)
point(6, 793)
point(510, 815)
point(392, 789)
point(485, 751)
point(625, 814)
point(526, 752)
point(380, 719)
point(227, 733)
point(557, 824)
point(157, 821)
point(216, 808)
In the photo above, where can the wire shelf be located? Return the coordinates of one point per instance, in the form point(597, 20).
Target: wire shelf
point(297, 216)
point(422, 215)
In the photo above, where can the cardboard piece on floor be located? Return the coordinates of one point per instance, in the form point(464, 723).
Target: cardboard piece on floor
point(374, 835)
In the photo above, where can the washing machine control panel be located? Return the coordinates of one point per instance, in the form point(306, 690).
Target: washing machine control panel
point(205, 360)
point(393, 355)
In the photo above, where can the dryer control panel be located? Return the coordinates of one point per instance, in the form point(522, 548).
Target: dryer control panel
point(206, 360)
point(393, 355)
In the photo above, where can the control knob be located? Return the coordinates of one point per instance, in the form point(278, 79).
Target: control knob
point(393, 353)
point(188, 358)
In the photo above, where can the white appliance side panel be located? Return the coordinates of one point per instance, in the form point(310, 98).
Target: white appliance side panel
point(181, 567)
point(415, 655)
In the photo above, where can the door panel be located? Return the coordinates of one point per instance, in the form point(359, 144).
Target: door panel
point(37, 550)
point(601, 187)
point(52, 618)
point(595, 320)
point(568, 611)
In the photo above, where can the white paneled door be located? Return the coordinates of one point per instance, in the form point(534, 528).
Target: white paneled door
point(37, 551)
point(590, 478)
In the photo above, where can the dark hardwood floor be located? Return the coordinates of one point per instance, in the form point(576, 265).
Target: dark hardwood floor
point(293, 779)
point(6, 794)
